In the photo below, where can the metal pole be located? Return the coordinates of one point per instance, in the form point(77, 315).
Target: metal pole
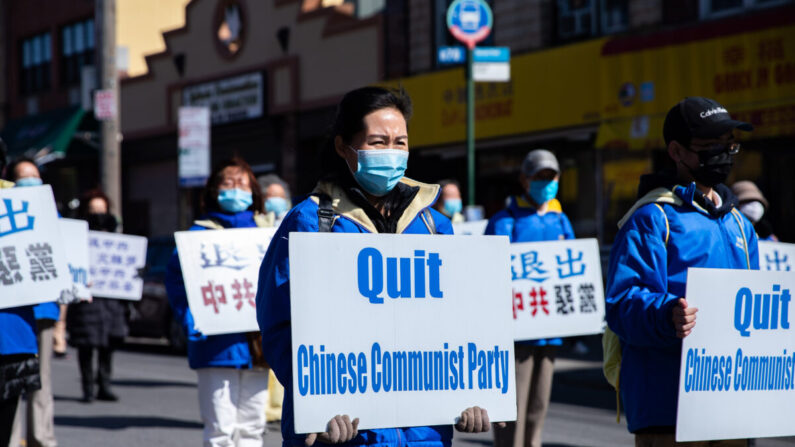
point(470, 130)
point(110, 170)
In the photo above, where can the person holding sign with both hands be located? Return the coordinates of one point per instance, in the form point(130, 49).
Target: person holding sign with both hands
point(363, 191)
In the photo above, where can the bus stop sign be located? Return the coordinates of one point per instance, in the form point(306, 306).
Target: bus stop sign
point(469, 21)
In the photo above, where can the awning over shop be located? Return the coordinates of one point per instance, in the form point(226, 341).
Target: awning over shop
point(43, 137)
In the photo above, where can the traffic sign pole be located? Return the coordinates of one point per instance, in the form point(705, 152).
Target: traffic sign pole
point(470, 129)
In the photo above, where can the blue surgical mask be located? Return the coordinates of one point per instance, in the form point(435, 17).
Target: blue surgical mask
point(28, 181)
point(276, 205)
point(234, 200)
point(542, 191)
point(379, 170)
point(452, 206)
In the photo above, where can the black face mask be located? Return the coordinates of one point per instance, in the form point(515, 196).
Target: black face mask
point(102, 222)
point(714, 167)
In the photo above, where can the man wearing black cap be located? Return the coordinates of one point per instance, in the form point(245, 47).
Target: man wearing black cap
point(687, 218)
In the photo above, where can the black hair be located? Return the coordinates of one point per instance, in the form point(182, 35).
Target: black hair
point(11, 174)
point(210, 194)
point(349, 120)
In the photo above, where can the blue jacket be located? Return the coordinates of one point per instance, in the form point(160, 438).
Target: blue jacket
point(521, 223)
point(273, 303)
point(667, 232)
point(226, 350)
point(47, 311)
point(18, 331)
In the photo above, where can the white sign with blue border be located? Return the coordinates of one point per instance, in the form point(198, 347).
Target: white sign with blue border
point(491, 64)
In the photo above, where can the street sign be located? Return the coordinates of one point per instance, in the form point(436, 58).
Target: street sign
point(451, 55)
point(469, 21)
point(491, 64)
point(194, 146)
point(104, 105)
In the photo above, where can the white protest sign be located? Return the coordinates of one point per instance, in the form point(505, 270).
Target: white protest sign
point(115, 260)
point(476, 228)
point(75, 239)
point(414, 328)
point(33, 267)
point(557, 289)
point(221, 273)
point(738, 364)
point(776, 256)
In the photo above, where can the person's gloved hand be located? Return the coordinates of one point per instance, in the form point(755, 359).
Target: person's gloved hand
point(339, 429)
point(475, 420)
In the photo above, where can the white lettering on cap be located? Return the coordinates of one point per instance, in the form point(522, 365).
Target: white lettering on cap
point(714, 111)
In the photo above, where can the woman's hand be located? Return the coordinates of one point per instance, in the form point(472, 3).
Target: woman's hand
point(474, 420)
point(338, 430)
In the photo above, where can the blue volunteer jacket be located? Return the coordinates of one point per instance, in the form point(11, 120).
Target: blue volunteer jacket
point(522, 223)
point(664, 234)
point(226, 350)
point(47, 311)
point(273, 303)
point(18, 331)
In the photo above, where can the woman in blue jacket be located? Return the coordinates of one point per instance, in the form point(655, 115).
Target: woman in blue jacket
point(233, 378)
point(364, 191)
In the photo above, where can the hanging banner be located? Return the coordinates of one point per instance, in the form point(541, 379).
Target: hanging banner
point(33, 266)
point(221, 273)
point(399, 330)
point(737, 373)
point(776, 256)
point(115, 262)
point(194, 146)
point(75, 238)
point(557, 289)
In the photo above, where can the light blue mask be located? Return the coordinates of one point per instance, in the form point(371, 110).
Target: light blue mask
point(28, 181)
point(542, 191)
point(234, 200)
point(452, 206)
point(379, 170)
point(276, 205)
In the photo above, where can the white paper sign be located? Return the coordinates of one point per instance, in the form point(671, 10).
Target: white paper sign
point(115, 260)
point(738, 364)
point(476, 228)
point(413, 327)
point(75, 239)
point(776, 256)
point(221, 273)
point(194, 145)
point(557, 289)
point(33, 266)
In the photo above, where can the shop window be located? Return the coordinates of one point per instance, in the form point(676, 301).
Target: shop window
point(710, 9)
point(576, 18)
point(77, 50)
point(35, 66)
point(442, 36)
point(614, 15)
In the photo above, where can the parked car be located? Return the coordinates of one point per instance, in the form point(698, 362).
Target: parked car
point(152, 317)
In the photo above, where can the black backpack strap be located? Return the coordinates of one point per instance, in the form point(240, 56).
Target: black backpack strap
point(427, 219)
point(325, 213)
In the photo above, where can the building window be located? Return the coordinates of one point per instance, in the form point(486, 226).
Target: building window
point(576, 18)
point(36, 57)
point(77, 50)
point(710, 9)
point(615, 15)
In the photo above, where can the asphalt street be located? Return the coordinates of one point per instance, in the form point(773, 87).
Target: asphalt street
point(158, 406)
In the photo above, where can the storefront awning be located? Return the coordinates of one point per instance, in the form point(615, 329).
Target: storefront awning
point(43, 137)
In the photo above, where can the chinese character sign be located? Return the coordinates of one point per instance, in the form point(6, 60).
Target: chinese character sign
point(776, 256)
point(75, 239)
point(557, 289)
point(115, 262)
point(33, 265)
point(221, 271)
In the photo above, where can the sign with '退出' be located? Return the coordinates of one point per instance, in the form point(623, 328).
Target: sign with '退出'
point(399, 330)
point(557, 289)
point(737, 372)
point(221, 270)
point(33, 265)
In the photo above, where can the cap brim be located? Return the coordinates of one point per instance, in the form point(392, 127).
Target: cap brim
point(543, 165)
point(718, 129)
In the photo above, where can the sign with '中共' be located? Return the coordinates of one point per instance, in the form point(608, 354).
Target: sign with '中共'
point(399, 330)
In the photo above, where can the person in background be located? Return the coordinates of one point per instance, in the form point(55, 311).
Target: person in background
point(101, 324)
point(277, 197)
point(449, 202)
point(40, 410)
point(754, 205)
point(233, 376)
point(529, 218)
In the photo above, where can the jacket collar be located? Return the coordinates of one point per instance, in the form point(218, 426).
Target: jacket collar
point(214, 219)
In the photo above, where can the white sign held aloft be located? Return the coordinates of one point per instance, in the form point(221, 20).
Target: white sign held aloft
point(221, 273)
point(75, 239)
point(776, 256)
point(414, 327)
point(557, 289)
point(737, 372)
point(115, 262)
point(33, 265)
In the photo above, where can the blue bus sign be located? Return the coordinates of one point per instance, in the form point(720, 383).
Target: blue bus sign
point(469, 21)
point(451, 55)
